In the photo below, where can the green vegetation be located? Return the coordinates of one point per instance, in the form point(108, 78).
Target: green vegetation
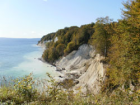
point(27, 91)
point(101, 36)
point(47, 37)
point(124, 54)
point(118, 41)
point(69, 39)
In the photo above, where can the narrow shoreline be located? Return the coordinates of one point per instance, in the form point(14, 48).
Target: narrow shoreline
point(58, 70)
point(62, 74)
point(42, 60)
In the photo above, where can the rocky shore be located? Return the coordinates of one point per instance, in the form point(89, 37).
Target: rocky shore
point(83, 67)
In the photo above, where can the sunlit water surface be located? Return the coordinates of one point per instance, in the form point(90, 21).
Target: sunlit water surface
point(19, 57)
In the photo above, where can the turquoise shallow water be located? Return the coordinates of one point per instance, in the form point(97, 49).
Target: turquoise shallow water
point(19, 57)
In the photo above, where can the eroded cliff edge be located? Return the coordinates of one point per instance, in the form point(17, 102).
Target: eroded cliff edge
point(84, 67)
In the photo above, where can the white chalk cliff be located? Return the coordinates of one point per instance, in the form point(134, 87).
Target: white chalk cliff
point(43, 44)
point(85, 66)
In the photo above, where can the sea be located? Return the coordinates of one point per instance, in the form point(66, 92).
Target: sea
point(19, 58)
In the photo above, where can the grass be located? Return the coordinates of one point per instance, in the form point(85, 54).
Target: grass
point(27, 91)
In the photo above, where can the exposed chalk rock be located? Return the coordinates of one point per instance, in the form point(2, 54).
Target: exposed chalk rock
point(77, 59)
point(93, 77)
point(85, 67)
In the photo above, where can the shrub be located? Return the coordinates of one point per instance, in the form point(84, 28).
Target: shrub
point(24, 87)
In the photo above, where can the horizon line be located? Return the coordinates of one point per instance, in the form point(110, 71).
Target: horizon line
point(18, 38)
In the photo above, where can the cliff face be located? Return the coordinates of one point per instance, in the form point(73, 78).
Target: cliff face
point(76, 59)
point(83, 66)
point(93, 77)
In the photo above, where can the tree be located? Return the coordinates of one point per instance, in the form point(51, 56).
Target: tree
point(101, 36)
point(70, 47)
point(124, 53)
point(45, 55)
point(132, 15)
point(52, 55)
point(118, 72)
point(69, 39)
point(60, 49)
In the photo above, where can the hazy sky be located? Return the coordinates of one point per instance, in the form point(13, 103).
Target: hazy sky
point(35, 18)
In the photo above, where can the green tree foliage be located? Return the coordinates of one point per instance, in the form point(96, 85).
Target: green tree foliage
point(124, 53)
point(117, 72)
point(101, 36)
point(47, 37)
point(60, 49)
point(68, 36)
point(70, 47)
point(84, 33)
point(132, 15)
point(69, 39)
point(52, 55)
point(45, 55)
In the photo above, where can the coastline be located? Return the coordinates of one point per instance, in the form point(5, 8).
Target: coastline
point(61, 76)
point(83, 69)
point(42, 60)
point(57, 69)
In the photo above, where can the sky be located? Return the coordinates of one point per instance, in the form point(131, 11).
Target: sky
point(35, 18)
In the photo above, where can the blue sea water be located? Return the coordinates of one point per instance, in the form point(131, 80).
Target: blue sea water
point(19, 57)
